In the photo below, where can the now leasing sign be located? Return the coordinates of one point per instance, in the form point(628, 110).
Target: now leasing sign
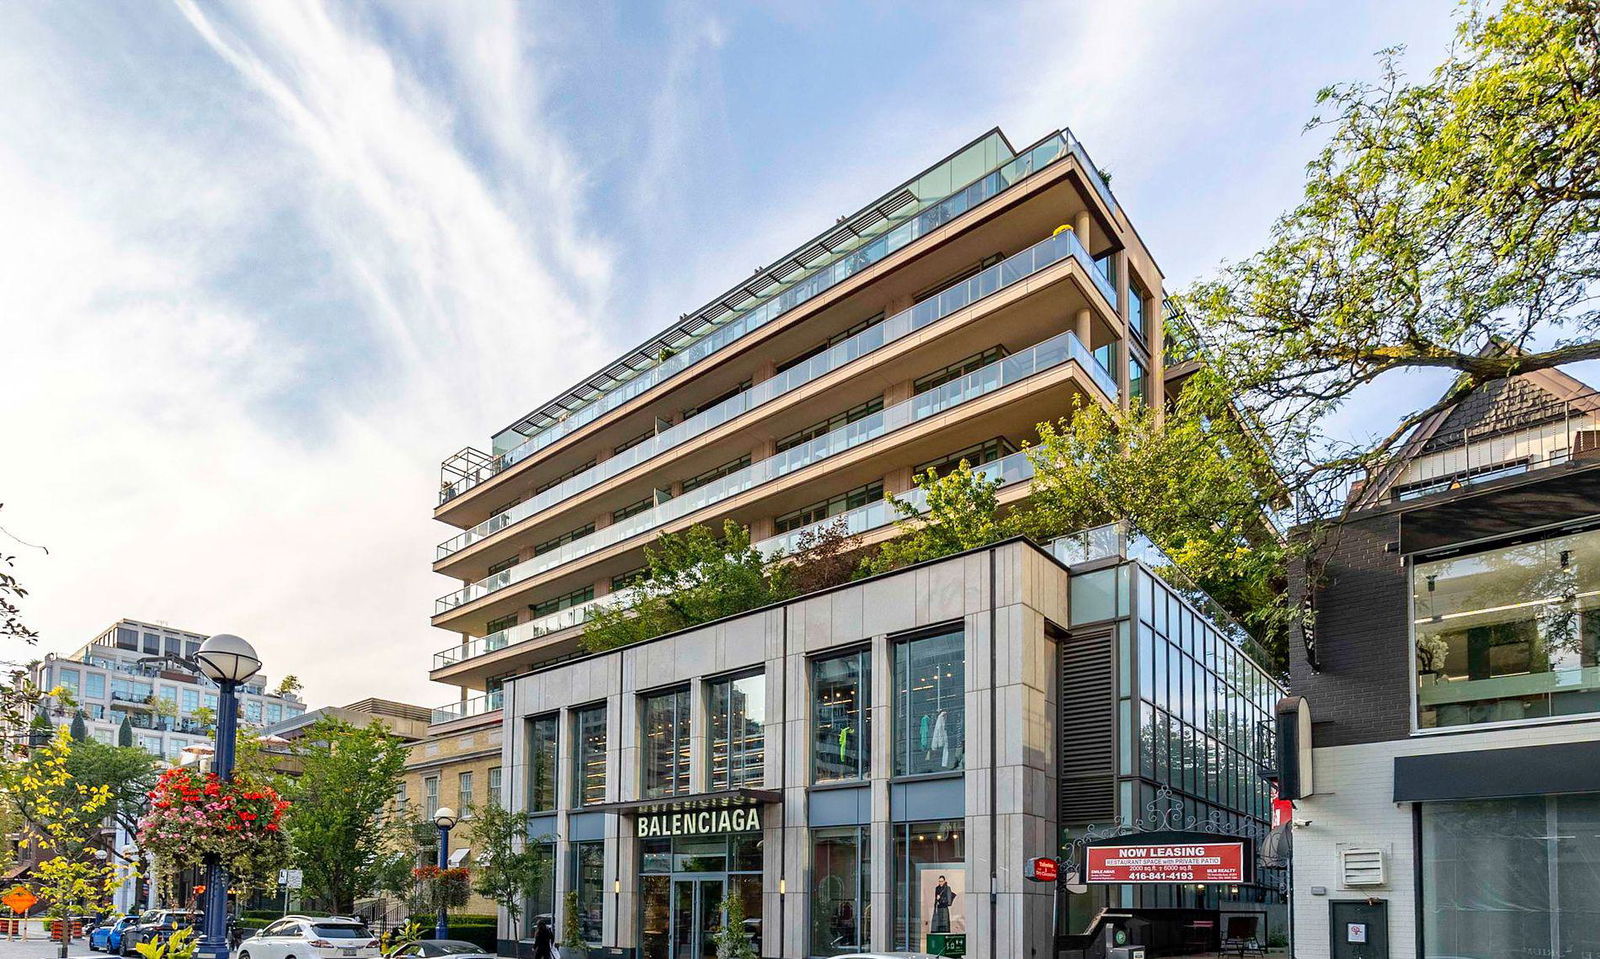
point(1178, 862)
point(699, 822)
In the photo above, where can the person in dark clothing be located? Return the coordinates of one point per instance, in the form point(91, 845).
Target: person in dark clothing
point(544, 940)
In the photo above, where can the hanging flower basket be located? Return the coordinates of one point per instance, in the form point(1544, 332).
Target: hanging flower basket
point(194, 815)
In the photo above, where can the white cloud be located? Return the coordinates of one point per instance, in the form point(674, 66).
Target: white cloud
point(174, 436)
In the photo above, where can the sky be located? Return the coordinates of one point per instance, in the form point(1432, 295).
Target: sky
point(265, 265)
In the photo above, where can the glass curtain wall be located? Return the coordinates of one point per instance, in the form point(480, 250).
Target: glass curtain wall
point(930, 696)
point(543, 732)
point(841, 907)
point(666, 744)
point(1511, 877)
point(1509, 634)
point(738, 714)
point(841, 717)
point(930, 881)
point(589, 755)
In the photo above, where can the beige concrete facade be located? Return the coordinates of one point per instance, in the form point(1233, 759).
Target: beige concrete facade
point(1009, 603)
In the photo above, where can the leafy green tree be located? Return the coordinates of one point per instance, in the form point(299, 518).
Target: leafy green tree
point(1193, 480)
point(63, 817)
point(342, 827)
point(962, 512)
point(509, 869)
point(1450, 223)
point(125, 733)
point(11, 592)
point(288, 685)
point(692, 577)
point(80, 728)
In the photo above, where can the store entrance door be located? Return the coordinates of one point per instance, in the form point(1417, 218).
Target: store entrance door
point(696, 917)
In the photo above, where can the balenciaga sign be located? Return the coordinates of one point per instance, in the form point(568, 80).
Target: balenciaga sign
point(699, 822)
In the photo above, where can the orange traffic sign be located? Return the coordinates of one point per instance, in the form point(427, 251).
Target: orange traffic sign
point(19, 899)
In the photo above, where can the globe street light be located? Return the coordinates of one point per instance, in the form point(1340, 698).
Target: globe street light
point(445, 819)
point(229, 662)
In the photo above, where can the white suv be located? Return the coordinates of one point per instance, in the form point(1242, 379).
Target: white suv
point(307, 937)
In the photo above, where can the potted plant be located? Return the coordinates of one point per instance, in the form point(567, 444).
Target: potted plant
point(731, 940)
point(572, 944)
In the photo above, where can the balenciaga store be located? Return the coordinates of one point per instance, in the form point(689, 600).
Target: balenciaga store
point(867, 767)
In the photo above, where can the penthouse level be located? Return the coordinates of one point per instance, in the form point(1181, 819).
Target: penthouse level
point(996, 289)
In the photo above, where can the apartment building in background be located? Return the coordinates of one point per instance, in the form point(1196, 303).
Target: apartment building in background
point(940, 322)
point(141, 673)
point(997, 289)
point(1453, 686)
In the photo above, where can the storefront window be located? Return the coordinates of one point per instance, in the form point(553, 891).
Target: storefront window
point(588, 881)
point(542, 904)
point(1511, 877)
point(589, 755)
point(542, 733)
point(840, 905)
point(666, 744)
point(930, 689)
point(841, 717)
point(738, 712)
point(1509, 634)
point(930, 881)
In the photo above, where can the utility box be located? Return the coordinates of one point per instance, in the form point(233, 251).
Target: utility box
point(1125, 952)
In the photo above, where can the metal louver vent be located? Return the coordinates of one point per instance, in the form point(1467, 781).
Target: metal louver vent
point(1088, 720)
point(1361, 867)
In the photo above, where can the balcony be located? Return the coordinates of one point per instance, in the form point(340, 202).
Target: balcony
point(1054, 352)
point(532, 629)
point(830, 268)
point(466, 708)
point(1010, 471)
point(1000, 276)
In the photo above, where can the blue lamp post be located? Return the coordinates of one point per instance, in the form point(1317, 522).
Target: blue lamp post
point(445, 819)
point(229, 662)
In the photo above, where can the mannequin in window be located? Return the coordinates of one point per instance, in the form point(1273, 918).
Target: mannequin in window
point(943, 898)
point(940, 743)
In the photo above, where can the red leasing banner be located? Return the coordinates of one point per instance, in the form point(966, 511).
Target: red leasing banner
point(1182, 862)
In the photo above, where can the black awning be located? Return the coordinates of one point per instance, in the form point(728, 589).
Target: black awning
point(1498, 773)
point(713, 800)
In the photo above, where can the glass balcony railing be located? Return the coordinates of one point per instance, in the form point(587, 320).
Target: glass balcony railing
point(532, 629)
point(1043, 356)
point(1000, 276)
point(1012, 469)
point(476, 706)
point(803, 289)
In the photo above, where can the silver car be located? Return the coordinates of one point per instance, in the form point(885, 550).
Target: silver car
point(311, 937)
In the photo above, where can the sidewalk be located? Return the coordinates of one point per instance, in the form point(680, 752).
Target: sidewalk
point(40, 948)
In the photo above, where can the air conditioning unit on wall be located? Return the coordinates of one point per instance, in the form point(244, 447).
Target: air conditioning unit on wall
point(1361, 867)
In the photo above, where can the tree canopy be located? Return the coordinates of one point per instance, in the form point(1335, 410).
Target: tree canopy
point(1447, 223)
point(343, 828)
point(691, 577)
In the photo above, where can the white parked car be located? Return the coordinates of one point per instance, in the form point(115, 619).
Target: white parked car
point(311, 937)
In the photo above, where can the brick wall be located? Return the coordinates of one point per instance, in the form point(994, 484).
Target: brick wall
point(1362, 692)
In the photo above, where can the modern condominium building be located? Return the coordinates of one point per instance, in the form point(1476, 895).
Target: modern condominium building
point(871, 765)
point(942, 321)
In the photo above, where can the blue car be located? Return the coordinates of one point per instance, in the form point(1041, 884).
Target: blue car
point(107, 937)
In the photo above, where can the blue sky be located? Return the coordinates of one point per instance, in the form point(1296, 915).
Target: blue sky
point(268, 264)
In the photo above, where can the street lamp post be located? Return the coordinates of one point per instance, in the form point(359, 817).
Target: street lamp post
point(445, 819)
point(229, 662)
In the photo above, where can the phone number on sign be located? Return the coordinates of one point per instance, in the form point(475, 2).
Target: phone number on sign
point(1162, 876)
